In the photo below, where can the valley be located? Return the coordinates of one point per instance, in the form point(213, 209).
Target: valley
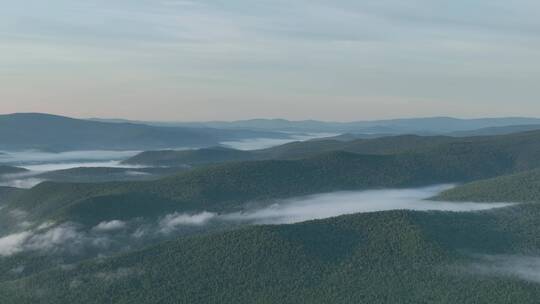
point(406, 210)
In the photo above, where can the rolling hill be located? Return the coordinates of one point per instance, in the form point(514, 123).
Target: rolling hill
point(385, 257)
point(521, 187)
point(106, 174)
point(6, 170)
point(294, 150)
point(172, 158)
point(228, 187)
point(522, 150)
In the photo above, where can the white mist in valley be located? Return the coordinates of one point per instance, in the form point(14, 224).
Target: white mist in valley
point(73, 238)
point(26, 157)
point(263, 143)
point(46, 167)
point(328, 205)
point(38, 162)
point(45, 161)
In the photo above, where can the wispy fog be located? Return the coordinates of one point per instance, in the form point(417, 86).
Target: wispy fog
point(20, 182)
point(171, 222)
point(339, 203)
point(262, 143)
point(25, 157)
point(44, 161)
point(110, 226)
point(516, 266)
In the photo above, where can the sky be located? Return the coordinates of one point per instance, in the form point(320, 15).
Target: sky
point(298, 59)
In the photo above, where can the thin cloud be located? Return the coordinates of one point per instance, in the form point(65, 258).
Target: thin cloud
point(110, 226)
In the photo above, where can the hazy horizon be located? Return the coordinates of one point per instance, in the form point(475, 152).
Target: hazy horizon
point(372, 119)
point(183, 60)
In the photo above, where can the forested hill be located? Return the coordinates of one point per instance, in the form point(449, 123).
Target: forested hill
point(387, 257)
point(294, 150)
point(521, 187)
point(227, 187)
point(8, 193)
point(523, 149)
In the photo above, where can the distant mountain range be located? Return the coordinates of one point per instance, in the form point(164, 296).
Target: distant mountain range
point(24, 131)
point(421, 126)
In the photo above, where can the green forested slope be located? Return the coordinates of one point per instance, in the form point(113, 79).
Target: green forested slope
point(225, 188)
point(521, 187)
point(386, 257)
point(8, 193)
point(105, 174)
point(10, 170)
point(190, 157)
point(295, 150)
point(518, 152)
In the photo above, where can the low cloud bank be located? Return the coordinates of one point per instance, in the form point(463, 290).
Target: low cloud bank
point(40, 162)
point(105, 237)
point(262, 143)
point(65, 238)
point(521, 267)
point(339, 203)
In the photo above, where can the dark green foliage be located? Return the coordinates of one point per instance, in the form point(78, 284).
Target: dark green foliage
point(227, 187)
point(4, 170)
point(295, 150)
point(190, 157)
point(386, 257)
point(521, 187)
point(9, 193)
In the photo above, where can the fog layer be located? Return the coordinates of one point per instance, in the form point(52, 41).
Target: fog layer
point(339, 203)
point(263, 143)
point(113, 235)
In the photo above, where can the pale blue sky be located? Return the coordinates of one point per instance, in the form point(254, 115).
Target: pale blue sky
point(297, 59)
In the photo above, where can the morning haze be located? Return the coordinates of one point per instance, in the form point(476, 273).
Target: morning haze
point(214, 60)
